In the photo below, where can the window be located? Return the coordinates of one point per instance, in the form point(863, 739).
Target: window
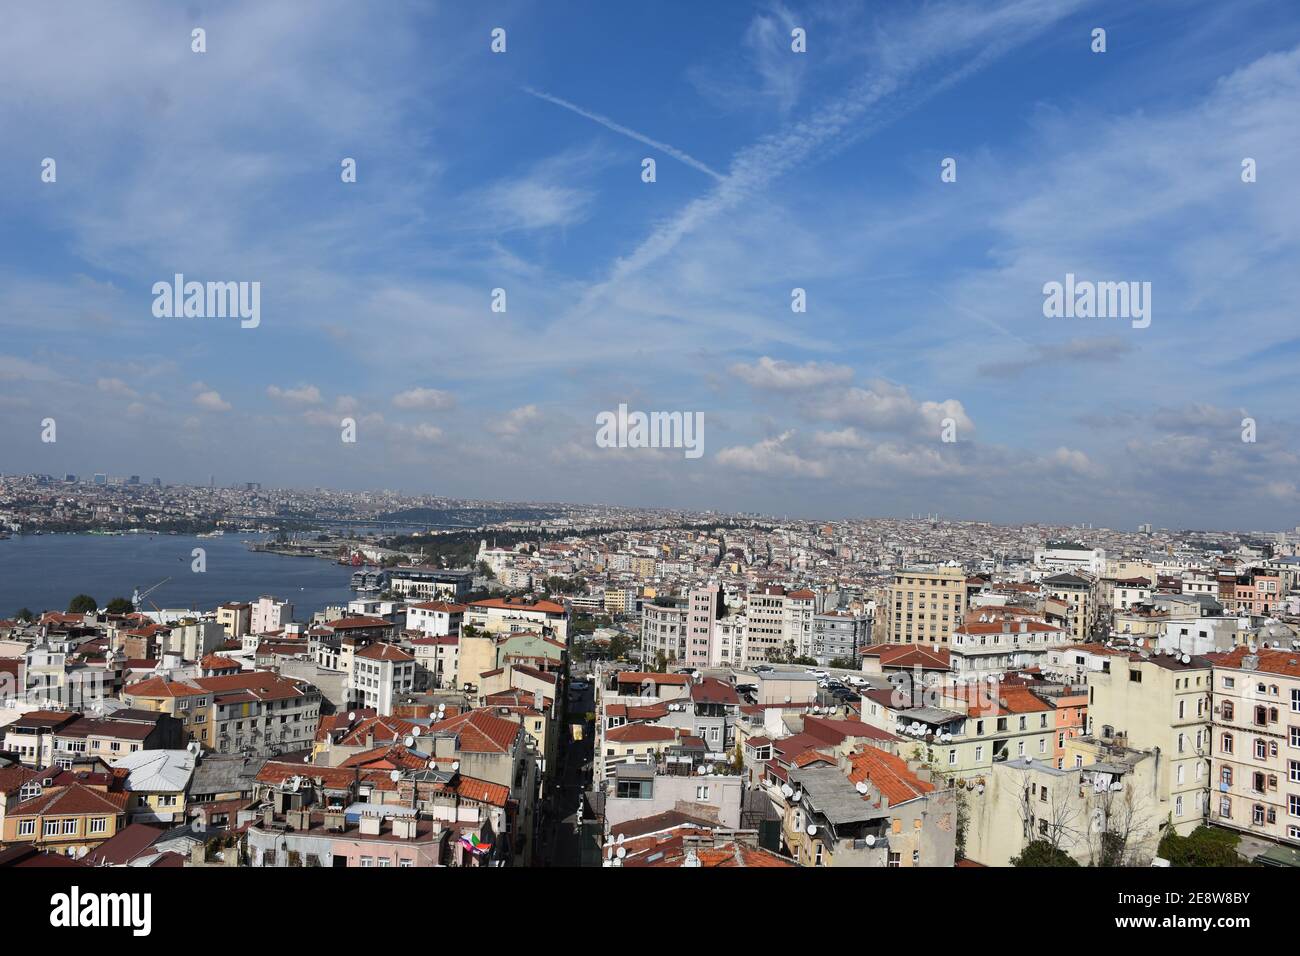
point(26, 827)
point(952, 757)
point(69, 826)
point(1227, 744)
point(895, 860)
point(99, 825)
point(51, 828)
point(1261, 748)
point(1178, 804)
point(701, 793)
point(1257, 815)
point(368, 861)
point(979, 753)
point(1227, 710)
point(1225, 776)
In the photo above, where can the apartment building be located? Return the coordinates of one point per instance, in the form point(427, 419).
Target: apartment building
point(504, 615)
point(1256, 742)
point(269, 614)
point(992, 643)
point(1079, 596)
point(381, 675)
point(663, 630)
point(1150, 701)
point(435, 618)
point(765, 632)
point(703, 606)
point(837, 635)
point(236, 618)
point(925, 605)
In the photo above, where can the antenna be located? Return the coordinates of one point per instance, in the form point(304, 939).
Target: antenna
point(395, 776)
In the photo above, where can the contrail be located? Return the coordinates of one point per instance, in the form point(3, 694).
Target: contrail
point(609, 124)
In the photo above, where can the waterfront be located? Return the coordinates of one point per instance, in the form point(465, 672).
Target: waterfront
point(43, 572)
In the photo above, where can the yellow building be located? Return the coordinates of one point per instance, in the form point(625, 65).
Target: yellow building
point(1163, 701)
point(925, 605)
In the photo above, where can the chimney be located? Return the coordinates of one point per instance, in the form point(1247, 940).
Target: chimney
point(405, 828)
point(268, 816)
point(370, 824)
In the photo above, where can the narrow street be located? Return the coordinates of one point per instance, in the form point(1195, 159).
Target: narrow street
point(560, 845)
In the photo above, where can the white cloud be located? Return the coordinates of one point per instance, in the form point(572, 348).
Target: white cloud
point(212, 401)
point(302, 395)
point(517, 421)
point(771, 456)
point(779, 375)
point(431, 399)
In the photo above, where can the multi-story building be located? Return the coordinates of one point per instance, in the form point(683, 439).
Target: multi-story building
point(663, 630)
point(269, 614)
point(992, 643)
point(838, 635)
point(703, 605)
point(1070, 556)
point(1079, 596)
point(236, 618)
point(1160, 701)
point(925, 605)
point(381, 675)
point(504, 615)
point(1256, 742)
point(435, 618)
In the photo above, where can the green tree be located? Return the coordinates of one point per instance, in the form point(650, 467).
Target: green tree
point(82, 604)
point(1042, 853)
point(120, 605)
point(25, 614)
point(1204, 846)
point(844, 664)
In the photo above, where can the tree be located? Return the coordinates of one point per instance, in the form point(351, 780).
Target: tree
point(25, 614)
point(1204, 846)
point(844, 664)
point(120, 605)
point(1042, 853)
point(82, 604)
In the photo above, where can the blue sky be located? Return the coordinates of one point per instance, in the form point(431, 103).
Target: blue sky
point(775, 170)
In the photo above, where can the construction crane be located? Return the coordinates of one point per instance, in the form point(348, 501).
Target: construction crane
point(139, 595)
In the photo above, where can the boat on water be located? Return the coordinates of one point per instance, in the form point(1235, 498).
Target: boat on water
point(211, 534)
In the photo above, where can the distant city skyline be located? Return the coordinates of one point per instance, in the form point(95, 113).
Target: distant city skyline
point(923, 375)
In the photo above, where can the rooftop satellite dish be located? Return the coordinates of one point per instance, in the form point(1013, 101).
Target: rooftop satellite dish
point(455, 765)
point(416, 731)
point(441, 708)
point(798, 795)
point(395, 776)
point(352, 715)
point(871, 841)
point(701, 770)
point(409, 741)
point(295, 783)
point(306, 759)
point(787, 789)
point(620, 839)
point(1186, 659)
point(861, 786)
point(812, 829)
point(432, 765)
point(622, 852)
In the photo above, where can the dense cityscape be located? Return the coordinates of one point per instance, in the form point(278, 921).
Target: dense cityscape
point(616, 688)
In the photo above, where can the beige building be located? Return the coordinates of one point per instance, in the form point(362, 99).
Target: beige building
point(925, 605)
point(236, 618)
point(1101, 814)
point(1256, 745)
point(1079, 595)
point(1159, 701)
